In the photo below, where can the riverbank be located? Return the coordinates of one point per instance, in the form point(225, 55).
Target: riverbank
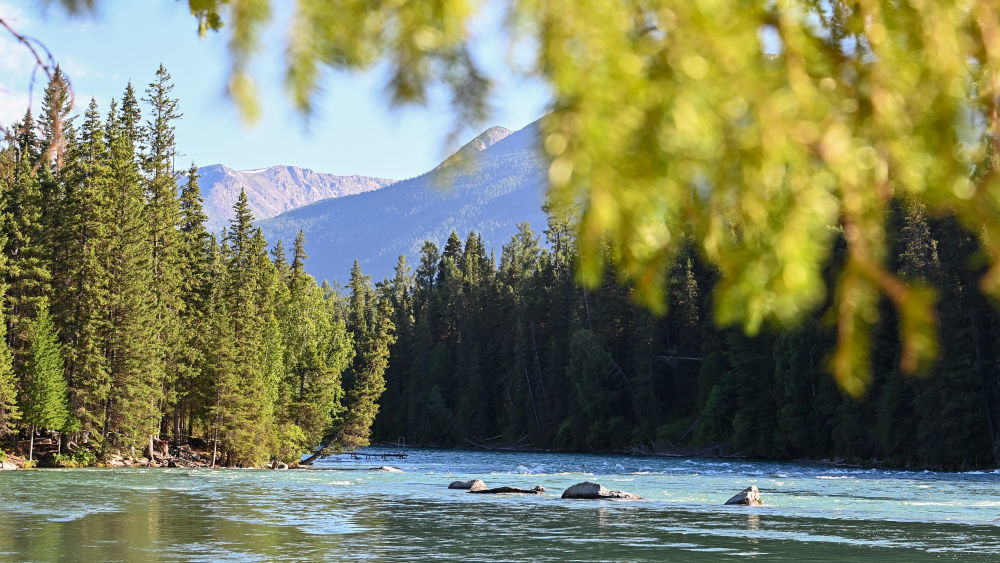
point(48, 453)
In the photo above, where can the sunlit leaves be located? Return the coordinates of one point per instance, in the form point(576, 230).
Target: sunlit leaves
point(762, 157)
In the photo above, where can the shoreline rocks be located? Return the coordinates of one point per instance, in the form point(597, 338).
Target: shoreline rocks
point(749, 496)
point(595, 491)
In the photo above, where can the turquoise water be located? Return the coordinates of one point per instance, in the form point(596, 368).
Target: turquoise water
point(343, 510)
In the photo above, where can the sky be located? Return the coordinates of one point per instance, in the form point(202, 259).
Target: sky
point(353, 131)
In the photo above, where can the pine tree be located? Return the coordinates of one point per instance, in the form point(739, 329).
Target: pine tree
point(28, 276)
point(46, 400)
point(220, 360)
point(132, 407)
point(280, 259)
point(392, 423)
point(192, 386)
point(317, 351)
point(83, 300)
point(55, 119)
point(299, 256)
point(369, 320)
point(9, 411)
point(163, 217)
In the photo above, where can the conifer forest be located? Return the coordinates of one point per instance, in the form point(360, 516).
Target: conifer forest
point(126, 321)
point(511, 352)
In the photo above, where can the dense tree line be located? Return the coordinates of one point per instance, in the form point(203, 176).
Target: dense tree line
point(516, 354)
point(125, 320)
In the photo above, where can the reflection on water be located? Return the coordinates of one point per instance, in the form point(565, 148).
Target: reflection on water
point(346, 511)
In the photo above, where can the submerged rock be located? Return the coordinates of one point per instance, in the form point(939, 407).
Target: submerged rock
point(595, 491)
point(474, 484)
point(387, 469)
point(749, 496)
point(517, 490)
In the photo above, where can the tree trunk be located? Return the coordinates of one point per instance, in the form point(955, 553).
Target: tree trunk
point(326, 443)
point(177, 423)
point(31, 444)
point(215, 447)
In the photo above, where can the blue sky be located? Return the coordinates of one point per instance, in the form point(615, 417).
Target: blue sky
point(354, 131)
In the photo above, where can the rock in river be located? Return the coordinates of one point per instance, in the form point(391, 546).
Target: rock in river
point(475, 485)
point(588, 490)
point(387, 469)
point(501, 490)
point(749, 496)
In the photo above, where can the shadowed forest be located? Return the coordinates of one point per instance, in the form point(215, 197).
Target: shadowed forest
point(512, 353)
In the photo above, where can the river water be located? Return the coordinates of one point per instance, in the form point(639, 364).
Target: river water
point(341, 509)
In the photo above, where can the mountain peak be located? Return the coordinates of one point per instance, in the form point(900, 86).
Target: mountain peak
point(469, 150)
point(488, 138)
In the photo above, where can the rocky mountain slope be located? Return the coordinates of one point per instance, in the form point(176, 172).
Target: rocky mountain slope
point(494, 182)
point(273, 190)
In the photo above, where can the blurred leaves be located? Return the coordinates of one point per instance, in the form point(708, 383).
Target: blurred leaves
point(762, 131)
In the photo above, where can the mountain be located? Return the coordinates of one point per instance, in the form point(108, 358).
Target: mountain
point(491, 184)
point(273, 190)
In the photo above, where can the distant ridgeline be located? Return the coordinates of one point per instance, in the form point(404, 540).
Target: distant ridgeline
point(273, 190)
point(515, 354)
point(124, 320)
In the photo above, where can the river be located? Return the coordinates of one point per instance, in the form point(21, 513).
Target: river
point(341, 509)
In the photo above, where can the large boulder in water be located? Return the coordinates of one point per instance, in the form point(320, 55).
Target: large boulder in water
point(516, 490)
point(473, 485)
point(749, 496)
point(595, 491)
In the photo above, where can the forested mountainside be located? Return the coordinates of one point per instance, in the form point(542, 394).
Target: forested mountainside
point(125, 320)
point(513, 353)
point(273, 190)
point(494, 182)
